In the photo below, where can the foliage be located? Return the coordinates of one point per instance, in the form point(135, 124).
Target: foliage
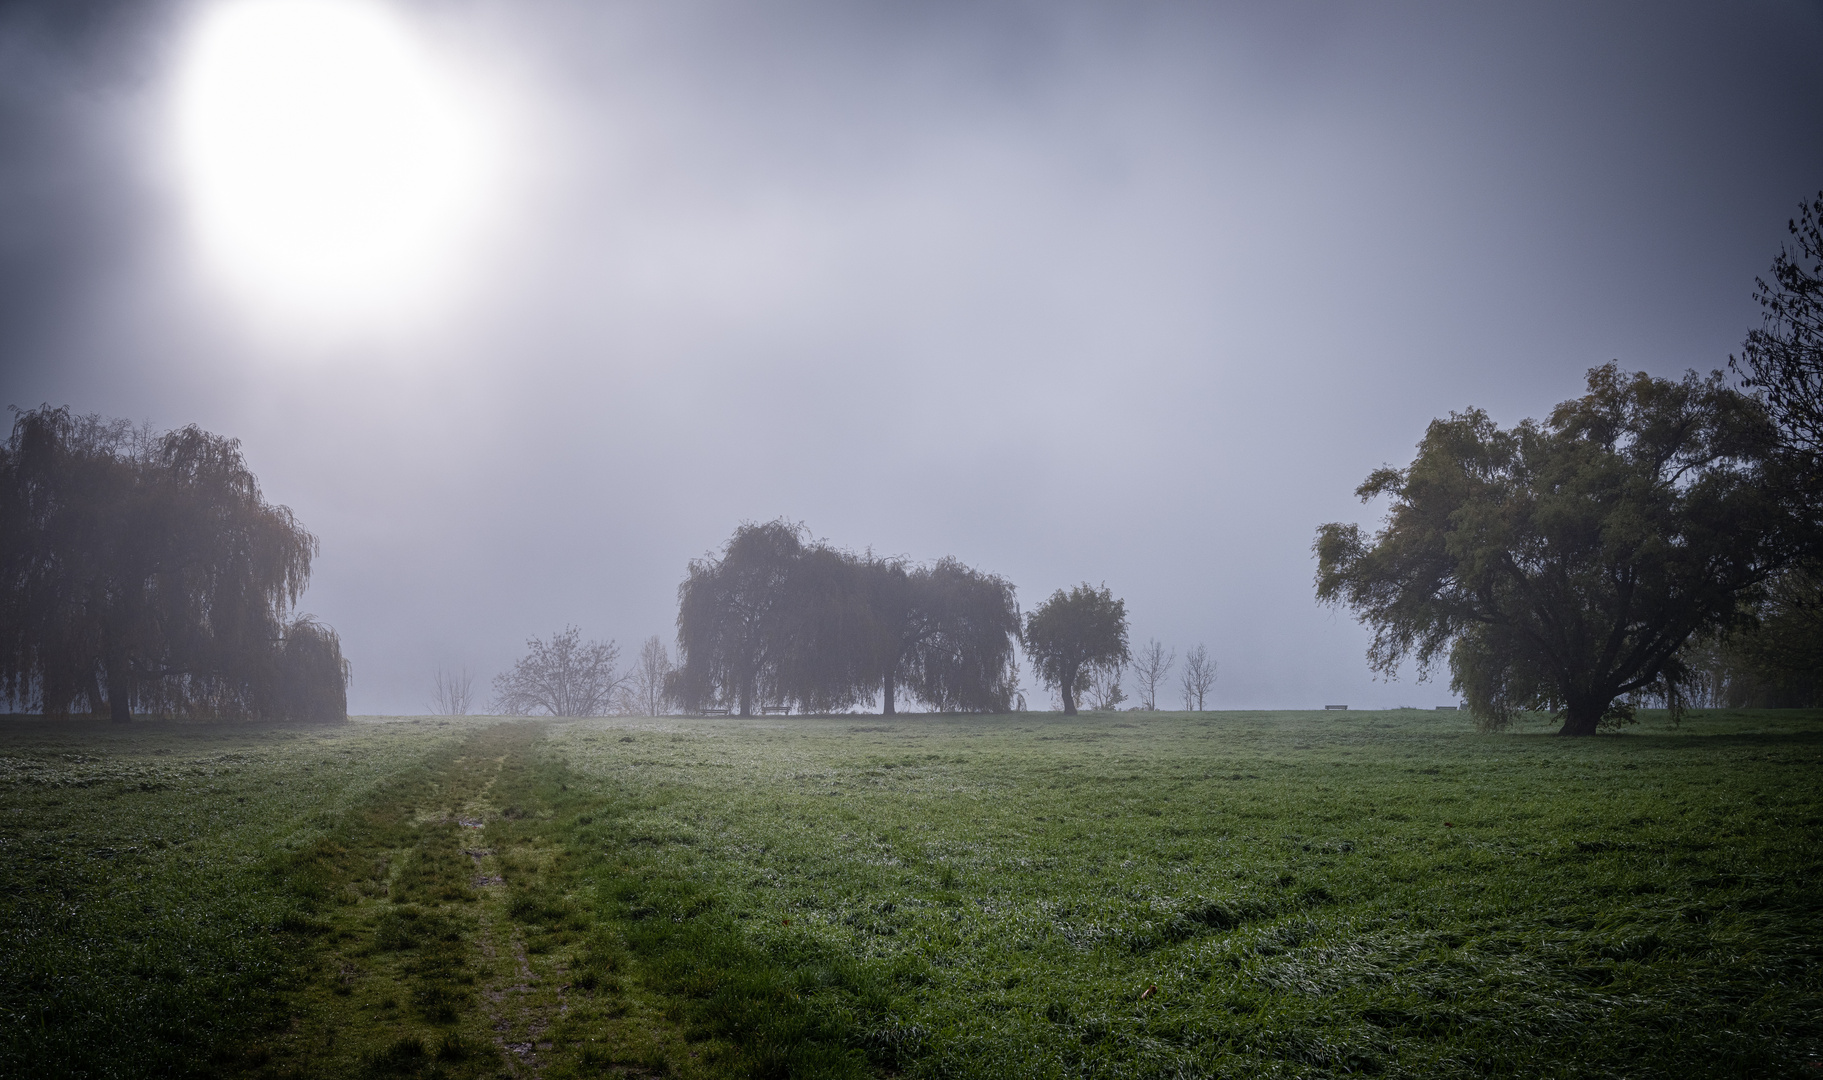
point(311, 678)
point(778, 618)
point(1198, 677)
point(1073, 635)
point(1565, 564)
point(1776, 661)
point(145, 571)
point(947, 634)
point(1783, 359)
point(731, 620)
point(565, 676)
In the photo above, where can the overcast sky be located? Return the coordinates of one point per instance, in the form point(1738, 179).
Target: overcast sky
point(1129, 292)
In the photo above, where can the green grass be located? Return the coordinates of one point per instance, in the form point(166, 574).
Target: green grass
point(1144, 895)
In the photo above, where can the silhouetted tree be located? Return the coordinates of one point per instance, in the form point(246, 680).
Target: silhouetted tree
point(826, 654)
point(1564, 564)
point(1783, 359)
point(946, 635)
point(647, 690)
point(732, 620)
point(144, 570)
point(780, 619)
point(565, 676)
point(1198, 677)
point(1073, 634)
point(1151, 664)
point(1101, 687)
point(452, 692)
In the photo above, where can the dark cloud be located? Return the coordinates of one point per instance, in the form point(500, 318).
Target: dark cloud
point(1134, 293)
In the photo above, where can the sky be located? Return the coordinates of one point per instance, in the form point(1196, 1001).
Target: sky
point(521, 306)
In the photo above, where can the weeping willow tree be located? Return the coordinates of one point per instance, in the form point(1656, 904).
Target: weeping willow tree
point(946, 636)
point(780, 619)
point(731, 620)
point(144, 571)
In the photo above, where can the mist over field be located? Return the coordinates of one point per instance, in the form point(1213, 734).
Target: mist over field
point(1133, 294)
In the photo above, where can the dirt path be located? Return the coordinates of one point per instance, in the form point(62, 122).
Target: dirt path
point(445, 934)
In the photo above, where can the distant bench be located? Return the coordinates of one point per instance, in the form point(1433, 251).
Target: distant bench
point(1335, 708)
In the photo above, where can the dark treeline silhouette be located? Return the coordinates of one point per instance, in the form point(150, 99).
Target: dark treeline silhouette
point(143, 571)
point(778, 619)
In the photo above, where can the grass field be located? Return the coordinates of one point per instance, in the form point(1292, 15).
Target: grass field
point(1118, 895)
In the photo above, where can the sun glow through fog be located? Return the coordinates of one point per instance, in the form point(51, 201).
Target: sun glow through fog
point(334, 169)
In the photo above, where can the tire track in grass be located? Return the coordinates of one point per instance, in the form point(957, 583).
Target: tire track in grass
point(662, 978)
point(469, 923)
point(418, 964)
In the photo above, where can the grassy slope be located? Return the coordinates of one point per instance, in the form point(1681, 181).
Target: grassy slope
point(1274, 893)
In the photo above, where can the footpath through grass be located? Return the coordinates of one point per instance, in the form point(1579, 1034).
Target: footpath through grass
point(1232, 894)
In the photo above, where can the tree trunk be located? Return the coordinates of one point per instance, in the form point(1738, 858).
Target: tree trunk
point(119, 708)
point(1581, 715)
point(887, 693)
point(746, 700)
point(1069, 696)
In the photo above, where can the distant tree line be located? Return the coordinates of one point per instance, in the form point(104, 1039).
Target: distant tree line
point(779, 620)
point(1652, 540)
point(143, 572)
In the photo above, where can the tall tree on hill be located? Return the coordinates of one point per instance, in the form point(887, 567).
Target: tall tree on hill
point(1074, 633)
point(145, 571)
point(1561, 565)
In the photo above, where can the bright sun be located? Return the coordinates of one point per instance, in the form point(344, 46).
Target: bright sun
point(332, 167)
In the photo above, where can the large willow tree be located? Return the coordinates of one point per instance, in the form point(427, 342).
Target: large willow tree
point(143, 571)
point(946, 634)
point(1564, 564)
point(731, 620)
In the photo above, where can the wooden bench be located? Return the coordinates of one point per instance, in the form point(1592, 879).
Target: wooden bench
point(1335, 708)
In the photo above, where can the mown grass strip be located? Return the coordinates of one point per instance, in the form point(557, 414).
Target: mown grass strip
point(663, 978)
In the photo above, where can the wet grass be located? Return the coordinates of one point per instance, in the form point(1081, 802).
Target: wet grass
point(1114, 895)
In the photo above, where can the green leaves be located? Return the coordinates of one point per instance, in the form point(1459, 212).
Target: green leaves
point(1074, 633)
point(1561, 565)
